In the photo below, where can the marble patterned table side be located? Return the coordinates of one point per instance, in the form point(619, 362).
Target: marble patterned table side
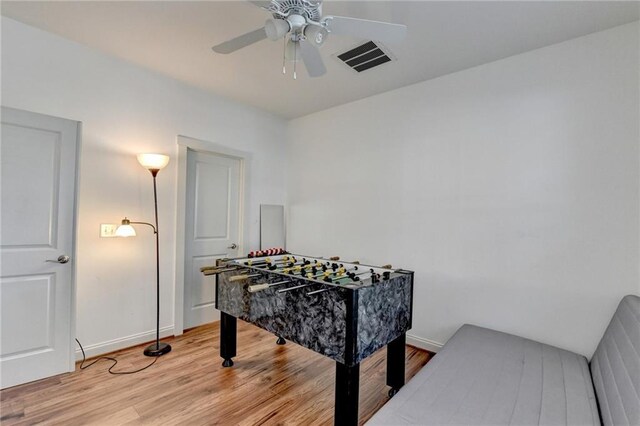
point(316, 322)
point(384, 313)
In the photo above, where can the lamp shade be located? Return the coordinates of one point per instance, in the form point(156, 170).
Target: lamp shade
point(153, 161)
point(276, 28)
point(125, 230)
point(316, 35)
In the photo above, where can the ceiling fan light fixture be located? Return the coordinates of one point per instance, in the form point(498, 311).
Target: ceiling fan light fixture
point(276, 28)
point(316, 35)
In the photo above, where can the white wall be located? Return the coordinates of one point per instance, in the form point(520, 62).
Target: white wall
point(126, 110)
point(510, 188)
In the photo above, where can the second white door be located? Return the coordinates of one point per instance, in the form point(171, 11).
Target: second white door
point(211, 228)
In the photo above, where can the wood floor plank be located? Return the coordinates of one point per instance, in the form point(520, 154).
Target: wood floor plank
point(268, 385)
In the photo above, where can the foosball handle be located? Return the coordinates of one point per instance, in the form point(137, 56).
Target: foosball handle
point(387, 266)
point(334, 258)
point(257, 287)
point(355, 262)
point(208, 268)
point(213, 271)
point(238, 278)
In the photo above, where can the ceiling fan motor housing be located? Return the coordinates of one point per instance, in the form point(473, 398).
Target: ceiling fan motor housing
point(309, 9)
point(297, 22)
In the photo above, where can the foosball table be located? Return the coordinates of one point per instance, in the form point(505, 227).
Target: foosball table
point(342, 310)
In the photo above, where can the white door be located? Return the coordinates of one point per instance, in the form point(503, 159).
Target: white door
point(211, 228)
point(38, 162)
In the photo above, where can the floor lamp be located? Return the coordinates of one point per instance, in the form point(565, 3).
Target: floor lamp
point(154, 163)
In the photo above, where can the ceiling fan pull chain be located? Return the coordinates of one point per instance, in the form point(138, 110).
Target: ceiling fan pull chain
point(284, 55)
point(295, 60)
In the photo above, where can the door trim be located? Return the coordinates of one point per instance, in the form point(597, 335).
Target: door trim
point(74, 249)
point(184, 144)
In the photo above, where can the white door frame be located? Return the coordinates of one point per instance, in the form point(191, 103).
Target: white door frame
point(184, 144)
point(74, 239)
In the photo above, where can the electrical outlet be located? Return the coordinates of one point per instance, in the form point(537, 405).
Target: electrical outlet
point(108, 230)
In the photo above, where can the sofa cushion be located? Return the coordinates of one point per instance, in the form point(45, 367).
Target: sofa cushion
point(615, 366)
point(482, 376)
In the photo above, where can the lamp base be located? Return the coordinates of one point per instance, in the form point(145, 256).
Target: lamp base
point(157, 349)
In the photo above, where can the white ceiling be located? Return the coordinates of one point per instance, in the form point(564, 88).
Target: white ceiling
point(175, 38)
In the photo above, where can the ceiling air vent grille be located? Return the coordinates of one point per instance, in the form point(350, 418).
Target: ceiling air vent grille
point(364, 57)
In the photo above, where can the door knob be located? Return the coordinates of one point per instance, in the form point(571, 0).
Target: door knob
point(61, 259)
point(233, 246)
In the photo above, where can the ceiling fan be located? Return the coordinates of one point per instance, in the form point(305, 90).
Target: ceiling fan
point(303, 28)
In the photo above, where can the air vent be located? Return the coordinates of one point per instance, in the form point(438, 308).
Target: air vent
point(365, 56)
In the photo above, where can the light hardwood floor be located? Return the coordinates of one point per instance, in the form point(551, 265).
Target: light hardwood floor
point(269, 384)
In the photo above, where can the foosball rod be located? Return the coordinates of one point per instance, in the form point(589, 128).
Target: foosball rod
point(267, 260)
point(243, 277)
point(338, 273)
point(305, 273)
point(283, 259)
point(322, 290)
point(281, 265)
point(311, 275)
point(284, 290)
point(352, 276)
point(325, 267)
point(299, 267)
point(370, 271)
point(260, 287)
point(306, 285)
point(260, 267)
point(280, 261)
point(212, 270)
point(337, 279)
point(304, 263)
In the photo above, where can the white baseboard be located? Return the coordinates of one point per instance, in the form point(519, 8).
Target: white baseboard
point(122, 342)
point(147, 336)
point(422, 343)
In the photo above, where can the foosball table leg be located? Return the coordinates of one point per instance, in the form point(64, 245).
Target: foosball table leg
point(346, 395)
point(228, 327)
point(395, 363)
point(281, 341)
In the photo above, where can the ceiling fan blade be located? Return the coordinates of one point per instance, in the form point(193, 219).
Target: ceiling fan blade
point(363, 28)
point(312, 59)
point(237, 43)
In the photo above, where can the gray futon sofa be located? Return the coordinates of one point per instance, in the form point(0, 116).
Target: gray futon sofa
point(483, 376)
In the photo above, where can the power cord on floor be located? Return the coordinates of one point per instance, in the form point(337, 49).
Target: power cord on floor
point(108, 358)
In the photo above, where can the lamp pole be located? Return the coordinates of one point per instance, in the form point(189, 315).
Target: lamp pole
point(158, 348)
point(154, 163)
